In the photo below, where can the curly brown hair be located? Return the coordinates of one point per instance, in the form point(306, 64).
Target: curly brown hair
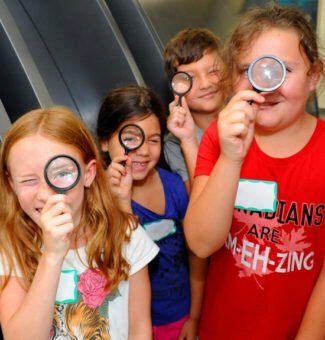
point(258, 19)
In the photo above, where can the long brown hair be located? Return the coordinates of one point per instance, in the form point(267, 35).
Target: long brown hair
point(109, 227)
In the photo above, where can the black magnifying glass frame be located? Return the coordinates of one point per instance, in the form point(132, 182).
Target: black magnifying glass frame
point(126, 148)
point(60, 190)
point(183, 93)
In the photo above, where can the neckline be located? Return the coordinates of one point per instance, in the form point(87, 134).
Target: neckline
point(161, 177)
point(284, 161)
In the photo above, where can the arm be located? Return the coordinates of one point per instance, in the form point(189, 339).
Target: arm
point(120, 180)
point(29, 314)
point(139, 306)
point(313, 323)
point(181, 124)
point(212, 197)
point(198, 271)
point(190, 150)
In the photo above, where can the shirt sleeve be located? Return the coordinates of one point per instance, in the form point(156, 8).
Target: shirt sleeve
point(209, 151)
point(174, 156)
point(140, 250)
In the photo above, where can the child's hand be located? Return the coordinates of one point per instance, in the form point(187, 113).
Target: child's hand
point(120, 177)
point(189, 330)
point(180, 122)
point(57, 224)
point(236, 125)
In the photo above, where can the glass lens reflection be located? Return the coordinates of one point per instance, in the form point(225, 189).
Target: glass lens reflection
point(181, 83)
point(62, 172)
point(267, 73)
point(131, 137)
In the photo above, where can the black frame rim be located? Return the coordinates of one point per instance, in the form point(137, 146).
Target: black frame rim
point(127, 149)
point(51, 185)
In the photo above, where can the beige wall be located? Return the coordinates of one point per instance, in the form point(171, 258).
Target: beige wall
point(321, 36)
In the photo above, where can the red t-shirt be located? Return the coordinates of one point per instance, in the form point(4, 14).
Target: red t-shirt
point(259, 282)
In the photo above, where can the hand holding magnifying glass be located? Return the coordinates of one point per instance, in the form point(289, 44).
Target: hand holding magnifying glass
point(131, 137)
point(266, 73)
point(181, 83)
point(62, 173)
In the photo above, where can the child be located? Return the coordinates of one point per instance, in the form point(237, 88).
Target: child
point(313, 324)
point(196, 51)
point(268, 161)
point(72, 265)
point(159, 199)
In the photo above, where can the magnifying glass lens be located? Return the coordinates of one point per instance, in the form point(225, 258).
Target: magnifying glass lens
point(62, 173)
point(266, 73)
point(181, 83)
point(131, 137)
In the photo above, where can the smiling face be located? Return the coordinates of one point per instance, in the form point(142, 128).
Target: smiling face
point(286, 105)
point(204, 96)
point(27, 160)
point(147, 156)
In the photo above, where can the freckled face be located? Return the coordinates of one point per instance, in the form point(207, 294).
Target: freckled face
point(27, 160)
point(286, 105)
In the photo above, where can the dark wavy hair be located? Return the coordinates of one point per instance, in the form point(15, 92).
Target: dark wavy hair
point(124, 103)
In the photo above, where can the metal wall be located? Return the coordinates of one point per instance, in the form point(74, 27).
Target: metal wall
point(61, 52)
point(72, 52)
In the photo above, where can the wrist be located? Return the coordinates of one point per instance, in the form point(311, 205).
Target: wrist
point(194, 318)
point(125, 204)
point(230, 162)
point(189, 141)
point(52, 259)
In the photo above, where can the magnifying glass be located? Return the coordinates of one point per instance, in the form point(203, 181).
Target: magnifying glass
point(181, 83)
point(131, 137)
point(62, 173)
point(266, 73)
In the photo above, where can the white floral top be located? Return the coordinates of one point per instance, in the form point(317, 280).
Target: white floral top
point(84, 309)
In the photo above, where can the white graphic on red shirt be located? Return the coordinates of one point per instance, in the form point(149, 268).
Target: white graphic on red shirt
point(261, 246)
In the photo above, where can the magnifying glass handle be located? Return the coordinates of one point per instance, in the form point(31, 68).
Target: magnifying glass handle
point(179, 101)
point(125, 153)
point(251, 101)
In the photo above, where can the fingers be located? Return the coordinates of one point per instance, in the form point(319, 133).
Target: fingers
point(116, 171)
point(117, 166)
point(239, 110)
point(58, 226)
point(248, 95)
point(178, 115)
point(59, 201)
point(56, 217)
point(236, 124)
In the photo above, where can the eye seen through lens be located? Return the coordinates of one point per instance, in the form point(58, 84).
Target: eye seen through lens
point(266, 73)
point(181, 83)
point(131, 137)
point(62, 173)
